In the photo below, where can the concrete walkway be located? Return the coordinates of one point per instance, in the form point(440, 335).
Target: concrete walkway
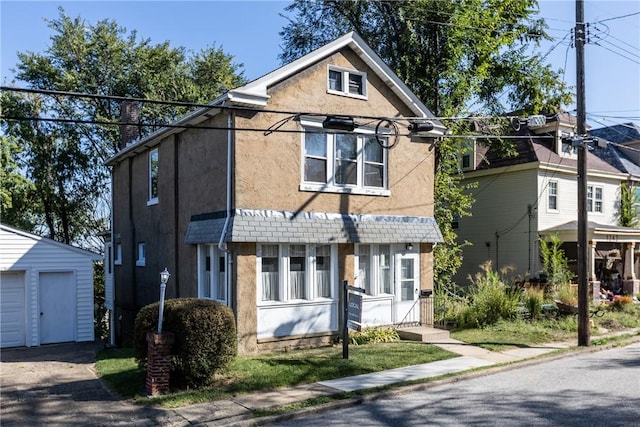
point(57, 386)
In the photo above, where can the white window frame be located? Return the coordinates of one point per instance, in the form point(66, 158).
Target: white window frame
point(345, 74)
point(374, 286)
point(552, 193)
point(212, 283)
point(153, 173)
point(284, 285)
point(117, 259)
point(362, 135)
point(595, 199)
point(142, 254)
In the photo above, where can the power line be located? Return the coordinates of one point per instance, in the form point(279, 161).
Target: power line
point(617, 17)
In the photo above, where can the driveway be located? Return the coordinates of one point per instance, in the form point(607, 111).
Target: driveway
point(56, 385)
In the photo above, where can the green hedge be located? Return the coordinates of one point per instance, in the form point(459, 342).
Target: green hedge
point(205, 338)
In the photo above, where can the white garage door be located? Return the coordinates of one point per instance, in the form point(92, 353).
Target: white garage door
point(12, 305)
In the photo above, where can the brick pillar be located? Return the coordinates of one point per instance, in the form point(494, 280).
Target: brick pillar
point(158, 362)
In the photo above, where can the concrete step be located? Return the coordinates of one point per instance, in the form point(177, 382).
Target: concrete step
point(423, 333)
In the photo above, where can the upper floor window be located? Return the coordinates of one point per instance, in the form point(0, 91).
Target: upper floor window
point(347, 82)
point(594, 199)
point(553, 195)
point(353, 162)
point(153, 176)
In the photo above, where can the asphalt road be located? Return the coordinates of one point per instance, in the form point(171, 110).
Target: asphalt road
point(590, 389)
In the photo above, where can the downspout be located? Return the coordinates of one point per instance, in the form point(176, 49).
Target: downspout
point(221, 243)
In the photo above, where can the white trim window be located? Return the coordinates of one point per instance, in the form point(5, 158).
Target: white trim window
point(552, 192)
point(341, 81)
point(343, 163)
point(117, 259)
point(211, 273)
point(594, 199)
point(141, 261)
point(153, 177)
point(374, 269)
point(295, 272)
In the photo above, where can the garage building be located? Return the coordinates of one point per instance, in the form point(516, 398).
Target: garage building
point(46, 290)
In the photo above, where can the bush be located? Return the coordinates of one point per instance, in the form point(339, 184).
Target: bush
point(566, 294)
point(205, 338)
point(373, 335)
point(533, 299)
point(490, 300)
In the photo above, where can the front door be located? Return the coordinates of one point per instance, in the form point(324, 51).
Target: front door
point(407, 288)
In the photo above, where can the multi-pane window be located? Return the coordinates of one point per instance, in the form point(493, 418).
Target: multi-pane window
point(211, 273)
point(344, 161)
point(553, 195)
point(347, 82)
point(294, 272)
point(153, 176)
point(373, 267)
point(594, 199)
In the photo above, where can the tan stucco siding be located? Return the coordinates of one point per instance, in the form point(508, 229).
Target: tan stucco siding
point(269, 168)
point(245, 298)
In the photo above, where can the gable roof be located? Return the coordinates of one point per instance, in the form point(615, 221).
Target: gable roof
point(254, 93)
point(92, 255)
point(626, 159)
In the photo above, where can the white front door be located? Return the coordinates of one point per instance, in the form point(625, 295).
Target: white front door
point(57, 299)
point(407, 287)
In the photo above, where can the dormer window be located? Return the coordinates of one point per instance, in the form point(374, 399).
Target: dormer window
point(345, 82)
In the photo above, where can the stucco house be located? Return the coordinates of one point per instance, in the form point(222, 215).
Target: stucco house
point(522, 199)
point(46, 290)
point(269, 198)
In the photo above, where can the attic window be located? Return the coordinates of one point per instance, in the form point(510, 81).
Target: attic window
point(347, 82)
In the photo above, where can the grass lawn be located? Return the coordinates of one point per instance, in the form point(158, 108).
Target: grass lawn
point(268, 371)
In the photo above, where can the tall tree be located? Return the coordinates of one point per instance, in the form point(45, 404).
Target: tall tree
point(461, 58)
point(64, 161)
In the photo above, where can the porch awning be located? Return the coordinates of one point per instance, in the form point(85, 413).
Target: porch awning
point(568, 232)
point(257, 225)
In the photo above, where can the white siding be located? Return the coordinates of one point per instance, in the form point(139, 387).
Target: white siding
point(21, 251)
point(568, 200)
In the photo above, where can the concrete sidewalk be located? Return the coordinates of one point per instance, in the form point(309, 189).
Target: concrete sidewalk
point(239, 411)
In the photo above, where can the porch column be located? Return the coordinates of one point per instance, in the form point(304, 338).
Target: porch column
point(591, 261)
point(629, 269)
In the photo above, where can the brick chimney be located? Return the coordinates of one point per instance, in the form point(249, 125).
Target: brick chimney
point(129, 131)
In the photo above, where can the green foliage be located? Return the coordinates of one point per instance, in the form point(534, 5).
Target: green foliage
point(66, 188)
point(533, 299)
point(205, 338)
point(373, 335)
point(434, 47)
point(100, 325)
point(566, 294)
point(554, 262)
point(489, 300)
point(628, 215)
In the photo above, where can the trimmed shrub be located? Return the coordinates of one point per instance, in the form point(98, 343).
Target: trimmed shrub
point(205, 338)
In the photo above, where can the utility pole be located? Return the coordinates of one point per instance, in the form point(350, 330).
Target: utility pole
point(583, 284)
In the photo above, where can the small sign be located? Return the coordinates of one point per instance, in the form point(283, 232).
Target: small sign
point(354, 311)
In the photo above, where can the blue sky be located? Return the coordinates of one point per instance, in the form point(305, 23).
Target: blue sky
point(248, 30)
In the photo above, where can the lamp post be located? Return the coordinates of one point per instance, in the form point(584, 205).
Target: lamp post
point(164, 278)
